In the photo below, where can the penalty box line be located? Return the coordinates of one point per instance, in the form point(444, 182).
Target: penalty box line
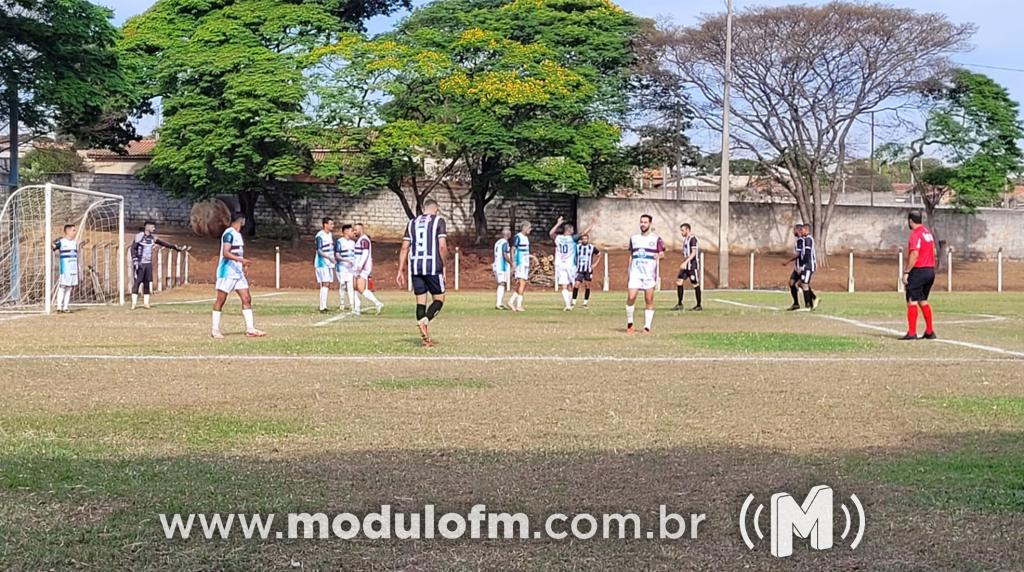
point(883, 329)
point(501, 359)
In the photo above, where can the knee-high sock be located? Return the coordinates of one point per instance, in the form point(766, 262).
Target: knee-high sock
point(250, 319)
point(519, 300)
point(575, 293)
point(324, 291)
point(912, 319)
point(680, 294)
point(586, 296)
point(349, 294)
point(648, 318)
point(512, 299)
point(67, 297)
point(630, 310)
point(567, 298)
point(357, 302)
point(216, 321)
point(434, 308)
point(792, 292)
point(696, 291)
point(500, 298)
point(135, 299)
point(808, 297)
point(369, 296)
point(421, 312)
point(145, 299)
point(926, 309)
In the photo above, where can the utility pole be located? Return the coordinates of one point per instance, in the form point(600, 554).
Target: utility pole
point(723, 205)
point(871, 188)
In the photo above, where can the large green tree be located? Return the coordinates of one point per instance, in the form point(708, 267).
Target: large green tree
point(516, 96)
point(59, 71)
point(231, 78)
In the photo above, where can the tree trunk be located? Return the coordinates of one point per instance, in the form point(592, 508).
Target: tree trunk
point(396, 187)
point(283, 206)
point(247, 202)
point(479, 189)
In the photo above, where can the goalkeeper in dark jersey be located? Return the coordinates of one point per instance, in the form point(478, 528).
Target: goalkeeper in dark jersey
point(142, 262)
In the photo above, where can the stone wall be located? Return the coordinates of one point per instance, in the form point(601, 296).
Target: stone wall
point(767, 227)
point(143, 201)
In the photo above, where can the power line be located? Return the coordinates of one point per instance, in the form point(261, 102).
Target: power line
point(1019, 70)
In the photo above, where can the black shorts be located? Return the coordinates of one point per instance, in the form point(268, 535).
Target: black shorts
point(424, 283)
point(804, 276)
point(584, 276)
point(690, 274)
point(143, 276)
point(919, 284)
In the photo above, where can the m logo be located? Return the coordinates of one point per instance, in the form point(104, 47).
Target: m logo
point(812, 520)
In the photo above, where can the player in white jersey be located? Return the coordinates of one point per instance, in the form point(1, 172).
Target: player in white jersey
point(521, 259)
point(345, 262)
point(324, 262)
point(646, 250)
point(502, 265)
point(231, 277)
point(363, 270)
point(66, 248)
point(565, 257)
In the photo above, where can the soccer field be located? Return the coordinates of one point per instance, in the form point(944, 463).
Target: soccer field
point(112, 418)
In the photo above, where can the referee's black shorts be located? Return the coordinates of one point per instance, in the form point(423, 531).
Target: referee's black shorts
point(432, 283)
point(143, 277)
point(919, 284)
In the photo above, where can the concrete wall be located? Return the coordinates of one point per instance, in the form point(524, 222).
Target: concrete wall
point(767, 227)
point(143, 201)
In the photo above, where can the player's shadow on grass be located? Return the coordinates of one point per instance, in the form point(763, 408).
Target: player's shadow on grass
point(64, 504)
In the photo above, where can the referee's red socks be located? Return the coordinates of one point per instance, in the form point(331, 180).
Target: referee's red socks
point(927, 311)
point(912, 318)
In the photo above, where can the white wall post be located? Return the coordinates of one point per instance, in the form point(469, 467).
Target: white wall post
point(999, 270)
point(850, 287)
point(949, 269)
point(121, 258)
point(657, 287)
point(48, 249)
point(170, 270)
point(177, 267)
point(456, 267)
point(701, 270)
point(606, 285)
point(408, 272)
point(751, 271)
point(277, 267)
point(187, 256)
point(899, 276)
point(159, 269)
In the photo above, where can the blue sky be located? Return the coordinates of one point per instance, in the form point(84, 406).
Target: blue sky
point(996, 44)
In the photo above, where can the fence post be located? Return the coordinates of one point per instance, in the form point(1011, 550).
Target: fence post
point(408, 273)
point(850, 287)
point(170, 276)
point(701, 270)
point(177, 268)
point(751, 271)
point(899, 277)
point(277, 267)
point(457, 267)
point(159, 270)
point(606, 286)
point(187, 256)
point(657, 285)
point(949, 269)
point(999, 270)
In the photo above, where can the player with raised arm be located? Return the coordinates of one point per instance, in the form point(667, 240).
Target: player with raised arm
point(142, 262)
point(794, 277)
point(363, 270)
point(920, 278)
point(689, 269)
point(66, 248)
point(521, 259)
point(809, 265)
point(501, 266)
point(231, 277)
point(345, 262)
point(565, 257)
point(587, 256)
point(425, 248)
point(324, 262)
point(646, 250)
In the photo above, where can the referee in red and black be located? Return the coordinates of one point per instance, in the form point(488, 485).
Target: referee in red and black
point(919, 279)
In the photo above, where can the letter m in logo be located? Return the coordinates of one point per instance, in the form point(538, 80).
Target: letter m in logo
point(812, 519)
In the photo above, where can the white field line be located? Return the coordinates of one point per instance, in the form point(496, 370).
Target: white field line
point(980, 319)
point(333, 319)
point(214, 299)
point(742, 305)
point(499, 359)
point(14, 317)
point(877, 328)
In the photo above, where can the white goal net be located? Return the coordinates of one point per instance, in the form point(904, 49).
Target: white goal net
point(32, 218)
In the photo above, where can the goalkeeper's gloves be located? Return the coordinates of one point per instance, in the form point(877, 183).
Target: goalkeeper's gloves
point(135, 263)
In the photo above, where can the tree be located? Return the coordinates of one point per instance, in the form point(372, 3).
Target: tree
point(803, 76)
point(41, 162)
point(59, 71)
point(231, 75)
point(973, 120)
point(517, 96)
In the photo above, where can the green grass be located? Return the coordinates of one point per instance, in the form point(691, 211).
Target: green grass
point(1002, 408)
point(427, 383)
point(770, 342)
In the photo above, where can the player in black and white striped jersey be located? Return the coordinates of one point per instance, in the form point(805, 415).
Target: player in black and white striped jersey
point(587, 256)
point(689, 269)
point(425, 248)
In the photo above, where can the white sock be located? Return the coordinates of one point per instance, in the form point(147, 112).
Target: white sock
point(501, 295)
point(324, 291)
point(216, 321)
point(373, 299)
point(135, 299)
point(648, 318)
point(567, 296)
point(357, 303)
point(348, 295)
point(250, 320)
point(519, 301)
point(67, 298)
point(145, 299)
point(629, 314)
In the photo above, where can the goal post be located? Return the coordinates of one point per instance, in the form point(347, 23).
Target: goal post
point(32, 218)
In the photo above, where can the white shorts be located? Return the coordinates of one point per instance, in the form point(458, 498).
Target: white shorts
point(231, 284)
point(68, 279)
point(344, 277)
point(324, 274)
point(364, 274)
point(565, 276)
point(641, 282)
point(500, 276)
point(522, 272)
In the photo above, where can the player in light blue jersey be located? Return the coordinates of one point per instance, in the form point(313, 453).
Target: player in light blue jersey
point(345, 263)
point(521, 259)
point(231, 277)
point(502, 265)
point(324, 261)
point(66, 248)
point(565, 257)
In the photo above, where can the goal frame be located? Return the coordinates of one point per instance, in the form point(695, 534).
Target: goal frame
point(48, 189)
